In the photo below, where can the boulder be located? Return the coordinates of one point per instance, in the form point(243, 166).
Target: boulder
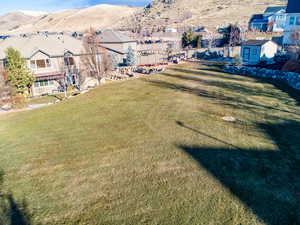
point(7, 107)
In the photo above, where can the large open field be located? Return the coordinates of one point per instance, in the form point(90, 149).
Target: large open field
point(156, 151)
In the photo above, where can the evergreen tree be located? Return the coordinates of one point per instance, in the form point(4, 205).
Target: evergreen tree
point(187, 39)
point(114, 61)
point(131, 57)
point(199, 41)
point(17, 72)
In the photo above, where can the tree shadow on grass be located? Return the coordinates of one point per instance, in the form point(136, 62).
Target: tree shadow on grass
point(266, 181)
point(216, 72)
point(11, 211)
point(219, 96)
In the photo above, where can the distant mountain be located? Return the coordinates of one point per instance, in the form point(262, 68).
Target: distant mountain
point(211, 13)
point(33, 13)
point(14, 20)
point(99, 16)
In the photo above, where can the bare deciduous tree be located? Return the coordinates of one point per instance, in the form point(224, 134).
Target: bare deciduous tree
point(92, 59)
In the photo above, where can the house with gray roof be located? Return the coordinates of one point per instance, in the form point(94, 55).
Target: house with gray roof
point(117, 43)
point(51, 58)
point(292, 26)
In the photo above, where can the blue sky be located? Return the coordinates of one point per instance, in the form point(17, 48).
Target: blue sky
point(56, 5)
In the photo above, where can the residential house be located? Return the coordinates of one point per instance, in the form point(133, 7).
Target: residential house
point(258, 22)
point(276, 17)
point(117, 43)
point(53, 59)
point(292, 27)
point(252, 51)
point(273, 19)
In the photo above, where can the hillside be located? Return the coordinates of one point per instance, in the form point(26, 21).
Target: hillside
point(14, 20)
point(182, 13)
point(99, 16)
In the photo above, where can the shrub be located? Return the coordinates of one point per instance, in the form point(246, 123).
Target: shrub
point(264, 61)
point(17, 72)
point(292, 66)
point(281, 57)
point(238, 61)
point(18, 101)
point(131, 57)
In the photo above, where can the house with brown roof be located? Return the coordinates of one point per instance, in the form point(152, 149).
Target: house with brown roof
point(252, 51)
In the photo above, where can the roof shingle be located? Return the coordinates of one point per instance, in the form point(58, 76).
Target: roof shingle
point(255, 42)
point(52, 45)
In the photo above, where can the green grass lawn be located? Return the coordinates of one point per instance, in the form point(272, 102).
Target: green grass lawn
point(156, 151)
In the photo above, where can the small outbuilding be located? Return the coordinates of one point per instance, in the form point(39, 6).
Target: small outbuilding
point(252, 51)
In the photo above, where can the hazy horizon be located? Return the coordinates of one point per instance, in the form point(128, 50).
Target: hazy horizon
point(50, 6)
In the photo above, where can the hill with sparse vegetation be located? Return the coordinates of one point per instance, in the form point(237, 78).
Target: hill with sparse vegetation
point(99, 16)
point(186, 13)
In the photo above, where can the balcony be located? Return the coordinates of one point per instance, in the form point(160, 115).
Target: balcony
point(57, 75)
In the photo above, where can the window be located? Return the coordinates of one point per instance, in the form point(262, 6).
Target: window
point(292, 20)
point(40, 63)
point(298, 21)
point(48, 63)
point(254, 51)
point(32, 64)
point(69, 61)
point(44, 83)
point(295, 36)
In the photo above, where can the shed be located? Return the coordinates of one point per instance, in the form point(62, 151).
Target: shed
point(252, 51)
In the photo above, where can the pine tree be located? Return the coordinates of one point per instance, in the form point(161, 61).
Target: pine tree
point(17, 72)
point(131, 57)
point(187, 38)
point(199, 41)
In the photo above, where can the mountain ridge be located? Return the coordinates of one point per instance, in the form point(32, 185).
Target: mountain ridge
point(99, 16)
point(209, 13)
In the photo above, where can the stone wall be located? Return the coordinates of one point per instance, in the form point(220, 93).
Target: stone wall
point(292, 79)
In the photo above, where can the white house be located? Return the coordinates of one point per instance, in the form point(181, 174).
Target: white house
point(292, 27)
point(277, 16)
point(273, 19)
point(252, 51)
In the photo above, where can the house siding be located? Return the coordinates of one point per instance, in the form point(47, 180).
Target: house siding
point(290, 29)
point(57, 68)
point(247, 53)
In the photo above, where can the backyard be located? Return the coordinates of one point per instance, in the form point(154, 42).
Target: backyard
point(156, 151)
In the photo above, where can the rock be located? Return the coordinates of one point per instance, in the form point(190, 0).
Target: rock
point(7, 107)
point(84, 91)
point(102, 81)
point(229, 118)
point(291, 78)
